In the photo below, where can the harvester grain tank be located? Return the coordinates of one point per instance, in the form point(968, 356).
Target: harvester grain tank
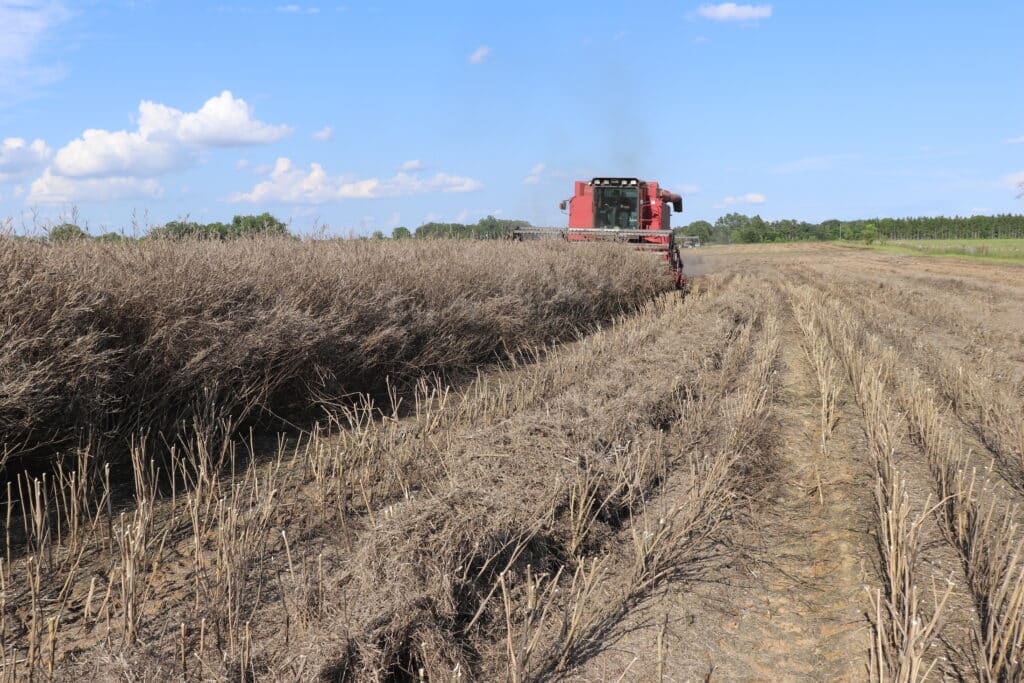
point(630, 211)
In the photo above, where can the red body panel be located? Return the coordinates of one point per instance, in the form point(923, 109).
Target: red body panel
point(653, 214)
point(581, 206)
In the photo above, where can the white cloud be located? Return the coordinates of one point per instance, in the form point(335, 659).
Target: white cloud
point(412, 165)
point(55, 189)
point(241, 164)
point(749, 198)
point(224, 121)
point(324, 134)
point(688, 189)
point(292, 185)
point(19, 159)
point(166, 140)
point(1016, 141)
point(730, 11)
point(297, 9)
point(103, 153)
point(534, 176)
point(479, 55)
point(25, 26)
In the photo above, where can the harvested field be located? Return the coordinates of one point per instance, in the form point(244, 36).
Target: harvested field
point(810, 468)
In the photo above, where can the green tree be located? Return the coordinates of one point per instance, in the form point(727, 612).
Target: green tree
point(66, 232)
point(178, 230)
point(701, 229)
point(486, 228)
point(869, 234)
point(757, 231)
point(377, 235)
point(728, 226)
point(262, 225)
point(830, 230)
point(401, 233)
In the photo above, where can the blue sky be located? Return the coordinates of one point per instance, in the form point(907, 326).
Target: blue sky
point(366, 115)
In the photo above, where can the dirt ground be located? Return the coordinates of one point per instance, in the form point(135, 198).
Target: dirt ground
point(809, 469)
point(792, 607)
point(796, 603)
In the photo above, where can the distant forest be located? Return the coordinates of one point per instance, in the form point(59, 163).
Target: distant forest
point(732, 228)
point(738, 228)
point(486, 228)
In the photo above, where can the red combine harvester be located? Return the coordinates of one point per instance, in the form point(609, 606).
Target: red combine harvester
point(626, 210)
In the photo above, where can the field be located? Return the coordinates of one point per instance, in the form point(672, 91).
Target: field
point(810, 468)
point(997, 249)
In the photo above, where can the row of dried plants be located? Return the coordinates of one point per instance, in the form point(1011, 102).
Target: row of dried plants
point(987, 401)
point(674, 537)
point(972, 374)
point(938, 387)
point(904, 625)
point(977, 517)
point(826, 374)
point(546, 538)
point(984, 533)
point(102, 343)
point(496, 529)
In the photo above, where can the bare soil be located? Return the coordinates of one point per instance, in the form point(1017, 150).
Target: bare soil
point(792, 606)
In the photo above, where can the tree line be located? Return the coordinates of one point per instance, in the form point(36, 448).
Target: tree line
point(266, 225)
point(738, 228)
point(489, 228)
point(731, 228)
point(263, 225)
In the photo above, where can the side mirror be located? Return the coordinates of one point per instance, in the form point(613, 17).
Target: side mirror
point(563, 204)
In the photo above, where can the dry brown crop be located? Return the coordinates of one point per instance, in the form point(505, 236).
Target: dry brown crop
point(805, 470)
point(104, 342)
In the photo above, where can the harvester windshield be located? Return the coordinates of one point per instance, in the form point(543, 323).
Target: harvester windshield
point(616, 207)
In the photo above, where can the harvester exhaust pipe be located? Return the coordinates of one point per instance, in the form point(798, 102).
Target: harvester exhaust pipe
point(672, 198)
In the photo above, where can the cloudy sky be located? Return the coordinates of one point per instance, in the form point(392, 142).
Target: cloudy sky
point(366, 115)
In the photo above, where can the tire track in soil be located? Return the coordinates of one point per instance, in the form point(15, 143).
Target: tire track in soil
point(795, 608)
point(802, 616)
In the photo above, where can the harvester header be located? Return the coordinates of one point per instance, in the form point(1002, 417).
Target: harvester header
point(628, 210)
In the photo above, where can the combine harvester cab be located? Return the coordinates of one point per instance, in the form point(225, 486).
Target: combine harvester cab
point(626, 210)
